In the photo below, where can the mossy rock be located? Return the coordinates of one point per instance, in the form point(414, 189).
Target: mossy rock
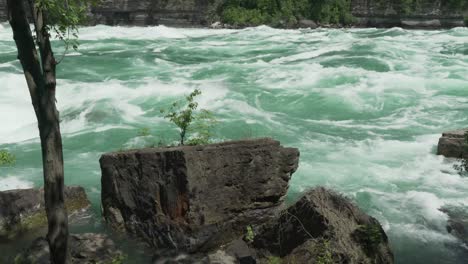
point(24, 210)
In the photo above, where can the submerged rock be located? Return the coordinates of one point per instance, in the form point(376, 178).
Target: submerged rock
point(457, 224)
point(453, 144)
point(23, 210)
point(86, 248)
point(194, 198)
point(323, 227)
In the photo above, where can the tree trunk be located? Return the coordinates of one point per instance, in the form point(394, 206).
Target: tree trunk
point(40, 77)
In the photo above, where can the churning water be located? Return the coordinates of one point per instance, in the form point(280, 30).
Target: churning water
point(364, 106)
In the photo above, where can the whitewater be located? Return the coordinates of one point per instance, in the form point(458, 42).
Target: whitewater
point(364, 106)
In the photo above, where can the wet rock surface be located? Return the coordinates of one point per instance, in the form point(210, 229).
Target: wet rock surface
point(223, 203)
point(194, 198)
point(453, 144)
point(324, 226)
point(86, 248)
point(23, 210)
point(457, 224)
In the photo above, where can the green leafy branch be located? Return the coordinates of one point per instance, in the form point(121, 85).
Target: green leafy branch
point(6, 158)
point(185, 116)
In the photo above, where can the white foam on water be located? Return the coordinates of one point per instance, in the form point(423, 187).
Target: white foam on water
point(371, 135)
point(11, 183)
point(16, 111)
point(145, 33)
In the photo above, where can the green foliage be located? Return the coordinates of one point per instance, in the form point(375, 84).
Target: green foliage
point(331, 11)
point(370, 237)
point(250, 235)
point(144, 132)
point(186, 117)
point(274, 260)
point(202, 128)
point(6, 158)
point(118, 259)
point(64, 17)
point(460, 5)
point(240, 16)
point(323, 252)
point(285, 12)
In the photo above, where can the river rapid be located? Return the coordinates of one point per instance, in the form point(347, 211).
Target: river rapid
point(364, 106)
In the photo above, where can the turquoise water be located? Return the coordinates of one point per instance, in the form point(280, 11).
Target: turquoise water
point(364, 106)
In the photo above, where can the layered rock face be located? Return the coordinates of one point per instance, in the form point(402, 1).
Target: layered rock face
point(181, 13)
point(193, 198)
point(453, 144)
point(426, 14)
point(23, 210)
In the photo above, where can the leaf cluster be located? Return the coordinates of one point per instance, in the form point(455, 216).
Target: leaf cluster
point(63, 17)
point(323, 252)
point(185, 116)
point(285, 12)
point(6, 158)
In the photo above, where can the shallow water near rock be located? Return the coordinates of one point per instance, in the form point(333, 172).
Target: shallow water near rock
point(364, 106)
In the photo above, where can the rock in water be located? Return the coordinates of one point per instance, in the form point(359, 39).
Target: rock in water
point(23, 210)
point(453, 144)
point(457, 224)
point(305, 23)
point(323, 227)
point(86, 248)
point(194, 198)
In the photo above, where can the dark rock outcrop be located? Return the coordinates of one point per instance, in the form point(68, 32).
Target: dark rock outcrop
point(194, 198)
point(3, 11)
point(425, 15)
point(324, 225)
point(86, 248)
point(453, 144)
point(23, 210)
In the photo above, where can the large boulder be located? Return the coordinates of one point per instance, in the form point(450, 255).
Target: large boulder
point(86, 248)
point(24, 210)
point(453, 144)
point(323, 227)
point(194, 198)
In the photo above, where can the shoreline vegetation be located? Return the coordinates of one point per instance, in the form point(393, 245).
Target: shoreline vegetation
point(289, 13)
point(412, 14)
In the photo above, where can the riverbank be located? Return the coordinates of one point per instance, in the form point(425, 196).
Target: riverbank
point(365, 106)
point(335, 14)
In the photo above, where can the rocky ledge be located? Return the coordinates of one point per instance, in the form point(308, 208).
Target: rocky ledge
point(86, 248)
point(453, 144)
point(223, 203)
point(23, 210)
point(193, 198)
point(323, 227)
